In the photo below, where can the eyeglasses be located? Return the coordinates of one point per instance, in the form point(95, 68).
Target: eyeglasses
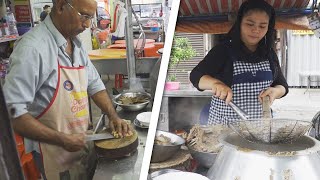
point(83, 17)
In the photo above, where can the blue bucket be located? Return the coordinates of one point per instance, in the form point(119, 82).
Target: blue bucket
point(155, 29)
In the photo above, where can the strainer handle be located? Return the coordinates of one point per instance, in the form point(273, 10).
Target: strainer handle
point(266, 112)
point(243, 115)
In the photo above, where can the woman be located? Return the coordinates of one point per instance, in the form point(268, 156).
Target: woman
point(244, 69)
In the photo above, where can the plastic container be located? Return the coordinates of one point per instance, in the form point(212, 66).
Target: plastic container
point(11, 23)
point(169, 86)
point(155, 29)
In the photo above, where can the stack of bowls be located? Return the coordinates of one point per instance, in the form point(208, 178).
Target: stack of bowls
point(143, 119)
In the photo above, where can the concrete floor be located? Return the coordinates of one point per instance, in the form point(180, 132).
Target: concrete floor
point(298, 104)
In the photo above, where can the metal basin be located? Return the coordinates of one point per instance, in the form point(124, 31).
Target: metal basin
point(181, 175)
point(160, 172)
point(241, 159)
point(204, 159)
point(163, 152)
point(132, 107)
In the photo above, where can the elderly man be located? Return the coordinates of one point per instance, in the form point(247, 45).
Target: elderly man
point(48, 85)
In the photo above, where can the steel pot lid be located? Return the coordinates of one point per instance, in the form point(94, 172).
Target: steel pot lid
point(303, 146)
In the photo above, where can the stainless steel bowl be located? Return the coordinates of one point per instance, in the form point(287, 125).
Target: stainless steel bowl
point(164, 152)
point(162, 171)
point(204, 159)
point(132, 107)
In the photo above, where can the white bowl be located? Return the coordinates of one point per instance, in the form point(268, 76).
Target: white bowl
point(181, 175)
point(144, 118)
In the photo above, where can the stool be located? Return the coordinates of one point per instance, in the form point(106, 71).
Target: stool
point(28, 165)
point(118, 81)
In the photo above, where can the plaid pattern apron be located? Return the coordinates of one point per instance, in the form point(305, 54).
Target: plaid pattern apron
point(249, 79)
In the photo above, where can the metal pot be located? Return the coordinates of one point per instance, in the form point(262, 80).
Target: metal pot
point(241, 159)
point(164, 152)
point(205, 159)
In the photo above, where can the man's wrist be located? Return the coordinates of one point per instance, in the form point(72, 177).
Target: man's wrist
point(113, 117)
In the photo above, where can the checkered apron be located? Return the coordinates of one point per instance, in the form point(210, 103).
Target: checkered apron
point(249, 79)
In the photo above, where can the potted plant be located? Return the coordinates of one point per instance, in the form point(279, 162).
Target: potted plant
point(181, 51)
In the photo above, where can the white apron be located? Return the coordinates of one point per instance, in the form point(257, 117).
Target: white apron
point(68, 112)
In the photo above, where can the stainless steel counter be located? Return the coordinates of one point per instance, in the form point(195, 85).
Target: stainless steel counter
point(119, 66)
point(182, 107)
point(127, 168)
point(187, 93)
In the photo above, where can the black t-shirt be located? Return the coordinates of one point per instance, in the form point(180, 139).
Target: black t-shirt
point(218, 64)
point(43, 15)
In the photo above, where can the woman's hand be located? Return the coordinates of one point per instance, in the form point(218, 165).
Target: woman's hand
point(222, 91)
point(218, 88)
point(273, 92)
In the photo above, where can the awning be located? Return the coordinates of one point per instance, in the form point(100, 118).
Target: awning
point(217, 16)
point(205, 7)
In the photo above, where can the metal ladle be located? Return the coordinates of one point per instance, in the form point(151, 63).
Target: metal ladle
point(243, 115)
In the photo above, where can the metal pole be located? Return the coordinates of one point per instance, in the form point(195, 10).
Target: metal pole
point(131, 62)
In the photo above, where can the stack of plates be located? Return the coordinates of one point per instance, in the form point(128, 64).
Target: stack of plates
point(143, 120)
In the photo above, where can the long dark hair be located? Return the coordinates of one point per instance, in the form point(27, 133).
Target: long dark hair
point(265, 45)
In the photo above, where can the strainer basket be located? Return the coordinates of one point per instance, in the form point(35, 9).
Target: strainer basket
point(271, 131)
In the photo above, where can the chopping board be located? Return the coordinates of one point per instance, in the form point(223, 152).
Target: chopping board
point(116, 148)
point(107, 54)
point(181, 160)
point(117, 142)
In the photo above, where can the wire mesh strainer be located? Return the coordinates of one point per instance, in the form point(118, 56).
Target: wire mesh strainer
point(271, 130)
point(267, 130)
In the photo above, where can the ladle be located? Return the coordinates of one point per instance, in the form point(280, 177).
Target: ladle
point(243, 115)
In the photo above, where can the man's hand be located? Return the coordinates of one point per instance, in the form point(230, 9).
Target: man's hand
point(73, 142)
point(39, 132)
point(121, 126)
point(103, 101)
